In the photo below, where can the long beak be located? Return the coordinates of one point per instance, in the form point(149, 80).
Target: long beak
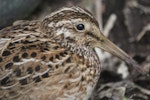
point(108, 46)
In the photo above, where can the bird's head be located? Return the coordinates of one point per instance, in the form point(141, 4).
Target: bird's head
point(79, 28)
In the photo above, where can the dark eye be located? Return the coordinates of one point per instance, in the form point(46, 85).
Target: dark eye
point(80, 27)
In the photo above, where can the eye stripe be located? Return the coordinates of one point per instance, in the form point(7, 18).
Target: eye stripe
point(92, 35)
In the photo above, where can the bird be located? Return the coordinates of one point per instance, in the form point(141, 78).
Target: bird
point(53, 58)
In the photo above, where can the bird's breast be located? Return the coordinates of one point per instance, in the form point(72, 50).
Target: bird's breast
point(75, 79)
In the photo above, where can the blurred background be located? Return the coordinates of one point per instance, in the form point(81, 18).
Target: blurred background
point(125, 22)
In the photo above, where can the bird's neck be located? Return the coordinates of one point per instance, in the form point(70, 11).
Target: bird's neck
point(83, 51)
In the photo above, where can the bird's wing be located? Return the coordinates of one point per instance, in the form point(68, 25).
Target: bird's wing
point(26, 58)
point(4, 42)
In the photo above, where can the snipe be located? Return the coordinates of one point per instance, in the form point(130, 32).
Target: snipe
point(53, 58)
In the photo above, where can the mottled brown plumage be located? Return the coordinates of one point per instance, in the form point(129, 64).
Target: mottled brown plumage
point(53, 58)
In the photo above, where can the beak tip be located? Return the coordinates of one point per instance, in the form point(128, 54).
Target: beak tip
point(136, 66)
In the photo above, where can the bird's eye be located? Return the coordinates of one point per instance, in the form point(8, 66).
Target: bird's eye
point(80, 27)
